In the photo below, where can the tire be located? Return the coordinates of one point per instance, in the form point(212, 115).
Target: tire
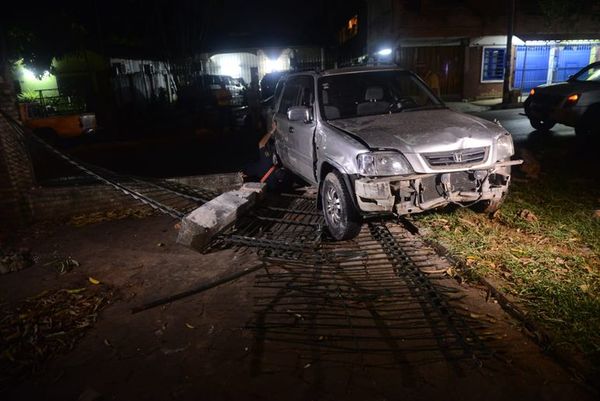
point(541, 125)
point(343, 221)
point(488, 206)
point(588, 128)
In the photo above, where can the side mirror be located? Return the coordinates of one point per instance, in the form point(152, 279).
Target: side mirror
point(300, 113)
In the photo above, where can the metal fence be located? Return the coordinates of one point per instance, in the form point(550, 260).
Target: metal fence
point(531, 67)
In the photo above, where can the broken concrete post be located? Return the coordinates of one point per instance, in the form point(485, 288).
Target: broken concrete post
point(200, 226)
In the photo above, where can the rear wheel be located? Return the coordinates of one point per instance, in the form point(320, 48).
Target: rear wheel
point(343, 221)
point(541, 125)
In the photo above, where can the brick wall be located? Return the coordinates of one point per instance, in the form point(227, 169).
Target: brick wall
point(473, 87)
point(16, 174)
point(62, 203)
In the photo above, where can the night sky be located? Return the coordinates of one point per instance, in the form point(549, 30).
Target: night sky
point(39, 30)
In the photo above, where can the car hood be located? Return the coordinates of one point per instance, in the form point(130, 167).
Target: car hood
point(564, 88)
point(421, 131)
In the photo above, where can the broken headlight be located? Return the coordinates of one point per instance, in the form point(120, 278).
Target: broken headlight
point(382, 164)
point(504, 147)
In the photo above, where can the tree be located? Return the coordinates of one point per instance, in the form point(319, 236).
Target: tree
point(563, 13)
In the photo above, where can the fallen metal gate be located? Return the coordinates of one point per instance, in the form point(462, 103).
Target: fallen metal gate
point(170, 198)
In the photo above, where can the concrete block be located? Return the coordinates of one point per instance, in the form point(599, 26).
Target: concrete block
point(200, 226)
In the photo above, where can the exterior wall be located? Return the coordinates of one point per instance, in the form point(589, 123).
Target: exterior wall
point(399, 24)
point(445, 61)
point(31, 85)
point(473, 87)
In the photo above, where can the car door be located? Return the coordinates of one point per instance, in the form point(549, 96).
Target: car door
point(289, 98)
point(301, 133)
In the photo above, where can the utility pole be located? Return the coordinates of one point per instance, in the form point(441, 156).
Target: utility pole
point(508, 53)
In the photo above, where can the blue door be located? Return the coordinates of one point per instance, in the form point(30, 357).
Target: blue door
point(569, 60)
point(531, 67)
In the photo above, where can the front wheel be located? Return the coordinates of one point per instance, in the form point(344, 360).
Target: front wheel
point(341, 217)
point(488, 206)
point(588, 128)
point(541, 125)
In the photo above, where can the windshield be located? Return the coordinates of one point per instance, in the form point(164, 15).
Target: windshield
point(370, 93)
point(591, 73)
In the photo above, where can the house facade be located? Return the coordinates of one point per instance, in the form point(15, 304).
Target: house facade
point(464, 42)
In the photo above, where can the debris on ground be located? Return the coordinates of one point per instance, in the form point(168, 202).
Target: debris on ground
point(14, 260)
point(48, 324)
point(543, 248)
point(528, 215)
point(531, 167)
point(63, 265)
point(98, 217)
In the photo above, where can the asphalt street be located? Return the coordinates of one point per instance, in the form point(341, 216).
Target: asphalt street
point(518, 125)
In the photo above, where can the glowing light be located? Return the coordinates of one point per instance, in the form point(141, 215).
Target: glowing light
point(532, 92)
point(573, 98)
point(275, 64)
point(30, 75)
point(230, 65)
point(385, 52)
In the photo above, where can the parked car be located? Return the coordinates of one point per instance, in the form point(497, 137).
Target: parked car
point(213, 91)
point(575, 103)
point(376, 140)
point(237, 89)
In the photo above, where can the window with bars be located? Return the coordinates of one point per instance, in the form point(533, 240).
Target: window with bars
point(492, 69)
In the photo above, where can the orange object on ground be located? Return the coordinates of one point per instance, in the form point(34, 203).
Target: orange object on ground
point(268, 173)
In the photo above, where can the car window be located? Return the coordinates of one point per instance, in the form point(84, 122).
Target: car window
point(590, 73)
point(289, 97)
point(373, 92)
point(307, 92)
point(278, 90)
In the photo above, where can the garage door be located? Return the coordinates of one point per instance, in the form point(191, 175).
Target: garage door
point(531, 67)
point(569, 60)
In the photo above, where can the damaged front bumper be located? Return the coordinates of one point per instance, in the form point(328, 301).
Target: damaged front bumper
point(419, 192)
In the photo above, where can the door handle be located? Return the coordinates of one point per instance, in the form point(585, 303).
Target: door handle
point(291, 130)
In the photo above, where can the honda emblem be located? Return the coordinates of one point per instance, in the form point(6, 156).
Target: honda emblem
point(457, 157)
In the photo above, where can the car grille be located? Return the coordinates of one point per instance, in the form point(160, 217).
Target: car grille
point(456, 158)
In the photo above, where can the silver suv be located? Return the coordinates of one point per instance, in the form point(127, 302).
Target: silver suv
point(376, 140)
